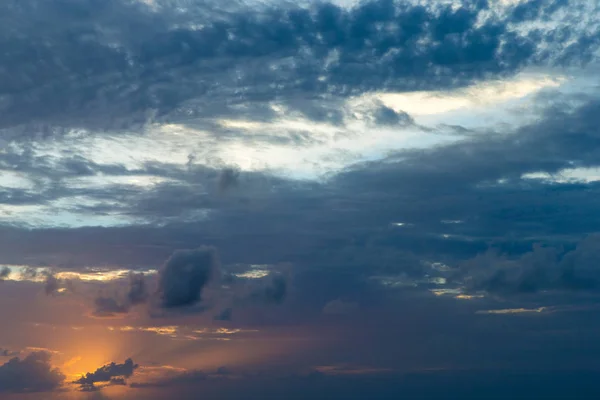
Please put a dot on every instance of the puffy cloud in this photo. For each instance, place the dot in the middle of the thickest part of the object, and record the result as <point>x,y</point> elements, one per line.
<point>111,374</point>
<point>185,274</point>
<point>33,373</point>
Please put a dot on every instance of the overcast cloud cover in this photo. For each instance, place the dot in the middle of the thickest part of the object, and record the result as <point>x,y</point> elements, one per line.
<point>310,199</point>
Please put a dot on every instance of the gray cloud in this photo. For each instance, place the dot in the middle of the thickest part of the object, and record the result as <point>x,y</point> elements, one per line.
<point>108,307</point>
<point>229,178</point>
<point>110,374</point>
<point>33,373</point>
<point>185,378</point>
<point>542,269</point>
<point>4,273</point>
<point>119,65</point>
<point>185,274</point>
<point>51,283</point>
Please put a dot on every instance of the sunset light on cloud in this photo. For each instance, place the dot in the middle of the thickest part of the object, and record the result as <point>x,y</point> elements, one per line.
<point>333,199</point>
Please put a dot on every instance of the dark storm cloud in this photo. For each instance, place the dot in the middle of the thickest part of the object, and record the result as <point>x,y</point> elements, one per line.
<point>108,374</point>
<point>118,64</point>
<point>33,373</point>
<point>185,274</point>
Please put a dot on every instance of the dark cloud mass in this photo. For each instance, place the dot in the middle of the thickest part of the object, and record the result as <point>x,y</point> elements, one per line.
<point>185,274</point>
<point>108,307</point>
<point>118,64</point>
<point>108,374</point>
<point>34,373</point>
<point>4,273</point>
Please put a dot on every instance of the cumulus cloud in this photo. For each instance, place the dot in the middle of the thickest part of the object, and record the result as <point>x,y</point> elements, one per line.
<point>185,274</point>
<point>33,373</point>
<point>110,374</point>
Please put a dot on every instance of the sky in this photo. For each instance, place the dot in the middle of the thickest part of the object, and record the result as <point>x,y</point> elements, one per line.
<point>272,199</point>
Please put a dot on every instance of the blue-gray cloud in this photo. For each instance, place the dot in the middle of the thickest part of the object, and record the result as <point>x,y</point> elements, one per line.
<point>119,64</point>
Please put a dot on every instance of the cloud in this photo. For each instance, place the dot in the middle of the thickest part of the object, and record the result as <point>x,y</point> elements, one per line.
<point>51,283</point>
<point>185,274</point>
<point>111,374</point>
<point>274,292</point>
<point>120,65</point>
<point>384,115</point>
<point>177,380</point>
<point>108,307</point>
<point>4,273</point>
<point>224,315</point>
<point>229,178</point>
<point>543,268</point>
<point>8,353</point>
<point>33,373</point>
<point>137,293</point>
